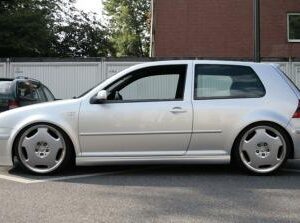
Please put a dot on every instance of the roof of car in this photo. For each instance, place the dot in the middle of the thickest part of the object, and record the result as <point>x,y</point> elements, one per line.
<point>20,78</point>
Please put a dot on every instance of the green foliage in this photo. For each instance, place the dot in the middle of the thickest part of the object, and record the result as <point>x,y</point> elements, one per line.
<point>44,28</point>
<point>24,27</point>
<point>41,28</point>
<point>129,25</point>
<point>81,35</point>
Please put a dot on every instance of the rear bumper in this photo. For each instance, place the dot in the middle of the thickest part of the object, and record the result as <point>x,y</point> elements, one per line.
<point>5,153</point>
<point>294,131</point>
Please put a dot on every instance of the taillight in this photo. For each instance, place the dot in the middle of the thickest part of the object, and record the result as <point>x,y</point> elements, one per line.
<point>297,112</point>
<point>13,104</point>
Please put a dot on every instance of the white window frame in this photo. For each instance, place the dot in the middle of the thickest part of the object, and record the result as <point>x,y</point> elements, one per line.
<point>288,28</point>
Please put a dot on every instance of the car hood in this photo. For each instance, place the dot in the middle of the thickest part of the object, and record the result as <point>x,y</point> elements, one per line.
<point>11,118</point>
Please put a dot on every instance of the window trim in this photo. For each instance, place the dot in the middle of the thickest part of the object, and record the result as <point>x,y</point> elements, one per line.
<point>195,98</point>
<point>148,100</point>
<point>288,28</point>
<point>138,101</point>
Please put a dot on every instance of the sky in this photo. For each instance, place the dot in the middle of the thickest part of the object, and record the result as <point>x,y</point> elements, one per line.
<point>90,5</point>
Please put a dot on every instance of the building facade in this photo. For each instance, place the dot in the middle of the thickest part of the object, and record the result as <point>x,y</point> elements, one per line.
<point>224,29</point>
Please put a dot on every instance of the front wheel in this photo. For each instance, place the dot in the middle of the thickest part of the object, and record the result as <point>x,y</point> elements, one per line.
<point>43,149</point>
<point>262,149</point>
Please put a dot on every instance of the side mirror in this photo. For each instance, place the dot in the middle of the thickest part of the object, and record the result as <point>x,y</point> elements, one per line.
<point>102,95</point>
<point>99,98</point>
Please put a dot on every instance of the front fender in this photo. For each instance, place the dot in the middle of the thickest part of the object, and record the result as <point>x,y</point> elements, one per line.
<point>68,124</point>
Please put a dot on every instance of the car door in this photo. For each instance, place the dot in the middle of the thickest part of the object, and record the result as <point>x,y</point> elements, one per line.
<point>148,112</point>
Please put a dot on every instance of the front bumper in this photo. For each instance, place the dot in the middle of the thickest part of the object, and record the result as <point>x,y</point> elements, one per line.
<point>5,152</point>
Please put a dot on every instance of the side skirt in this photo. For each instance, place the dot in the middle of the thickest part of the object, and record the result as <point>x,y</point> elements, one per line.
<point>91,161</point>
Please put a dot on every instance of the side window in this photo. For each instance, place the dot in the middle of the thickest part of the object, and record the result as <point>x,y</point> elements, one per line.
<point>150,84</point>
<point>49,95</point>
<point>227,81</point>
<point>30,91</point>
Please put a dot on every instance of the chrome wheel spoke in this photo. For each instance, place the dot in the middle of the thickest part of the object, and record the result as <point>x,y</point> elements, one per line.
<point>31,158</point>
<point>272,161</point>
<point>249,148</point>
<point>29,144</point>
<point>54,145</point>
<point>256,163</point>
<point>50,162</point>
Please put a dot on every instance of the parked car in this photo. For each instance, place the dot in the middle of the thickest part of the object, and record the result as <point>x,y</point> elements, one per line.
<point>22,91</point>
<point>187,112</point>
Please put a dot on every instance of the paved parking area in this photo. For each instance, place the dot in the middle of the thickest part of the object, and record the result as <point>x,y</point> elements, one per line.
<point>193,193</point>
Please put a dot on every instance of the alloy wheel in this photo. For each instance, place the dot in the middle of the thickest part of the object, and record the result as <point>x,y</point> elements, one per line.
<point>262,149</point>
<point>42,149</point>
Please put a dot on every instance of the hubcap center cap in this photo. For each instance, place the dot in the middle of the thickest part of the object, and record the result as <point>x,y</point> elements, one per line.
<point>262,150</point>
<point>42,150</point>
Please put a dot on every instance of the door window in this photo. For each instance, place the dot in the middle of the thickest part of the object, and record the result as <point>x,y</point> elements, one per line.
<point>227,81</point>
<point>150,84</point>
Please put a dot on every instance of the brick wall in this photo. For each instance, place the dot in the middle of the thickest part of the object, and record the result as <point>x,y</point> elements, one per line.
<point>221,28</point>
<point>274,40</point>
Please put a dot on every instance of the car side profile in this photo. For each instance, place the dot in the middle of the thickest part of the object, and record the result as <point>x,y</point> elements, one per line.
<point>22,91</point>
<point>187,112</point>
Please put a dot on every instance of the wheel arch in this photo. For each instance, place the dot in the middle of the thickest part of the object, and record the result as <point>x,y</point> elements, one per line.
<point>65,132</point>
<point>235,142</point>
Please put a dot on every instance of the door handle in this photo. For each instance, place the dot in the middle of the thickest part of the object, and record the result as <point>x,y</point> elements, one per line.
<point>177,110</point>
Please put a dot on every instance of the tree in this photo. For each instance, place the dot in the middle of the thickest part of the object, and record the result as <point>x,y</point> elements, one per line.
<point>129,25</point>
<point>25,27</point>
<point>43,28</point>
<point>82,35</point>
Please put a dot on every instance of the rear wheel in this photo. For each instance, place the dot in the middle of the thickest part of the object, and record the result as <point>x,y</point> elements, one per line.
<point>262,149</point>
<point>43,149</point>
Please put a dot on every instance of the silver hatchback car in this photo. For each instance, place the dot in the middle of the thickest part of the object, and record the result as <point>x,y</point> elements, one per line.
<point>188,112</point>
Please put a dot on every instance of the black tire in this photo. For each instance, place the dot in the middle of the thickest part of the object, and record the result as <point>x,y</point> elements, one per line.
<point>237,159</point>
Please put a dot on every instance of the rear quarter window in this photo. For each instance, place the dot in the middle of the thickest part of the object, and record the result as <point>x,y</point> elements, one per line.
<point>226,81</point>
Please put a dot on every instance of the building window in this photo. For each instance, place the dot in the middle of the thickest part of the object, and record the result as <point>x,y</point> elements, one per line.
<point>293,27</point>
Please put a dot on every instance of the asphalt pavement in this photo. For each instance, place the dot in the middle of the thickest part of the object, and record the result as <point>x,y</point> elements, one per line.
<point>192,193</point>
